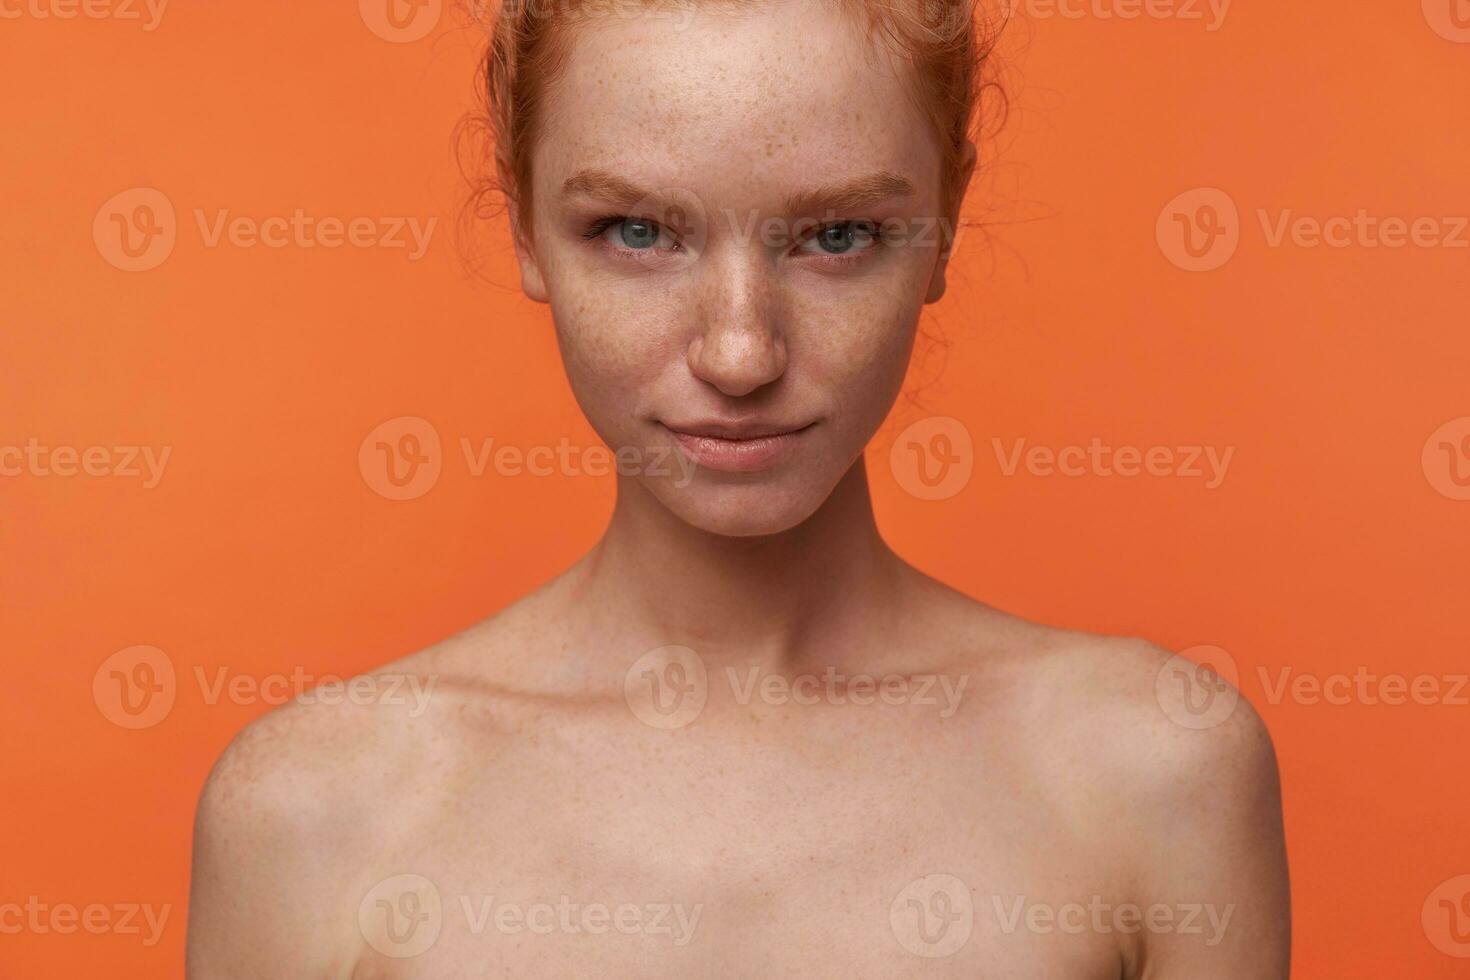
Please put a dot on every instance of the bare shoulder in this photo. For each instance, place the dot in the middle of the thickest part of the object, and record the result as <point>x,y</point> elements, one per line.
<point>328,760</point>
<point>320,757</point>
<point>1158,769</point>
<point>309,801</point>
<point>1126,719</point>
<point>1162,727</point>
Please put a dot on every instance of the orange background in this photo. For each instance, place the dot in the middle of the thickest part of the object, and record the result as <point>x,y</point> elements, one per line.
<point>264,550</point>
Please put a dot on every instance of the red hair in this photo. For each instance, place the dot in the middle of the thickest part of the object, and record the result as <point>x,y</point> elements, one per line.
<point>947,43</point>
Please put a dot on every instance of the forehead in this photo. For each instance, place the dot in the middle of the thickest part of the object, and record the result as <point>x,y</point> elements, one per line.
<point>728,100</point>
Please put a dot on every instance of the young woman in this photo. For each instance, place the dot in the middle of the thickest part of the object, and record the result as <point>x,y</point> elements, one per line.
<point>741,737</point>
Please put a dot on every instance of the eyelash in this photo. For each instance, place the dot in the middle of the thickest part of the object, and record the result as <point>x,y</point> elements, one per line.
<point>599,227</point>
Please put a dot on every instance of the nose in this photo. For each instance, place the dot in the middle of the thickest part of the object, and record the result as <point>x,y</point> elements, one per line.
<point>739,345</point>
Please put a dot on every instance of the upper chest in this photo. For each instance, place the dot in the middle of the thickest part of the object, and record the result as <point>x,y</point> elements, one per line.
<point>633,854</point>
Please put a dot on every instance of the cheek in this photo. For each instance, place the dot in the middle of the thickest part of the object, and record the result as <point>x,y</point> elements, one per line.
<point>616,341</point>
<point>856,342</point>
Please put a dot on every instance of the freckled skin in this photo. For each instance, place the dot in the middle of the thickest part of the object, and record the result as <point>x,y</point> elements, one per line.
<point>795,831</point>
<point>742,328</point>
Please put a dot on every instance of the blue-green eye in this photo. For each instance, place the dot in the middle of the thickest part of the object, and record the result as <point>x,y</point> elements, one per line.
<point>841,239</point>
<point>632,234</point>
<point>637,233</point>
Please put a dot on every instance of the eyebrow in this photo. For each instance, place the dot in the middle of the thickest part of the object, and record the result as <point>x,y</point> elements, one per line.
<point>849,195</point>
<point>609,187</point>
<point>860,192</point>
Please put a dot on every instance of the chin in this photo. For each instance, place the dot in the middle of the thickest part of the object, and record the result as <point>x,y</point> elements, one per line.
<point>747,510</point>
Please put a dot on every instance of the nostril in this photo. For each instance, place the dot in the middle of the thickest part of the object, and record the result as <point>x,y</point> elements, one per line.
<point>737,361</point>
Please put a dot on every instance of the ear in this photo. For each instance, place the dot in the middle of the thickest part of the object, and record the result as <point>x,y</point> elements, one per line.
<point>937,283</point>
<point>531,279</point>
<point>533,284</point>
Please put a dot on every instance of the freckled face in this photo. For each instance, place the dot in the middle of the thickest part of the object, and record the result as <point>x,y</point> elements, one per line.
<point>735,223</point>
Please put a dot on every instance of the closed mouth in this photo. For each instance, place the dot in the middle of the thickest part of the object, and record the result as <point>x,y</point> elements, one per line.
<point>735,431</point>
<point>737,447</point>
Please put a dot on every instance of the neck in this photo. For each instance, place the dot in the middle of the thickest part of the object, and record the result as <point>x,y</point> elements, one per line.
<point>815,593</point>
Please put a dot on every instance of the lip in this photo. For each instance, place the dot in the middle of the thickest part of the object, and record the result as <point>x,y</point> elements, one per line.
<point>737,447</point>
